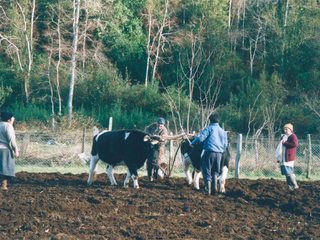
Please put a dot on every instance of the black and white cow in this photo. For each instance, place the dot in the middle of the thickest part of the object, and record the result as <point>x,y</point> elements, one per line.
<point>192,156</point>
<point>130,148</point>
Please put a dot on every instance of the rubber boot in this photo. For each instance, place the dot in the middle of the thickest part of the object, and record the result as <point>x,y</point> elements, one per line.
<point>293,181</point>
<point>4,184</point>
<point>208,187</point>
<point>214,184</point>
<point>150,178</point>
<point>289,184</point>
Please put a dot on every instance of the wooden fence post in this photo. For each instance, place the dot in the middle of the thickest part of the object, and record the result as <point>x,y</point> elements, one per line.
<point>310,156</point>
<point>110,124</point>
<point>256,149</point>
<point>170,155</point>
<point>239,149</point>
<point>83,139</point>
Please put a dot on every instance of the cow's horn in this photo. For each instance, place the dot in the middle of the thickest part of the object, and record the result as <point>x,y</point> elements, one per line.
<point>146,138</point>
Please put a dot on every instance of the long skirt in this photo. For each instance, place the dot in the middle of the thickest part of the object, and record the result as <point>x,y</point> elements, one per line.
<point>7,166</point>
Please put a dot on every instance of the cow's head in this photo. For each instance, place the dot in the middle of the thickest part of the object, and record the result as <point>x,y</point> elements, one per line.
<point>185,146</point>
<point>153,147</point>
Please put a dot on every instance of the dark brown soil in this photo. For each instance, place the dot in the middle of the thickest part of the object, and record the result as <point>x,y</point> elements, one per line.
<point>38,206</point>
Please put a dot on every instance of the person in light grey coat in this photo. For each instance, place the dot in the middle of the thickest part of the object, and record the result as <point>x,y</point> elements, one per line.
<point>8,148</point>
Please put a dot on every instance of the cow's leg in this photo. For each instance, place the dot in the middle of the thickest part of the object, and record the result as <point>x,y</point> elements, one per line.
<point>223,178</point>
<point>134,174</point>
<point>186,164</point>
<point>160,173</point>
<point>126,182</point>
<point>93,169</point>
<point>196,178</point>
<point>109,171</point>
<point>135,181</point>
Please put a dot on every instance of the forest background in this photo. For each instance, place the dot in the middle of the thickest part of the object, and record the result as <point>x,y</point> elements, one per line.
<point>83,61</point>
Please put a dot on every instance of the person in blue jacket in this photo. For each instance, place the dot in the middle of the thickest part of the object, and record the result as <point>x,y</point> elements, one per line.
<point>215,142</point>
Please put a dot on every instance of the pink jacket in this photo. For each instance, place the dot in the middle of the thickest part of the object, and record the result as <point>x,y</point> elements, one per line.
<point>291,147</point>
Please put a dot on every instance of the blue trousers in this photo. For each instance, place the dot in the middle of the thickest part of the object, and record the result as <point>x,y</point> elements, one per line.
<point>210,165</point>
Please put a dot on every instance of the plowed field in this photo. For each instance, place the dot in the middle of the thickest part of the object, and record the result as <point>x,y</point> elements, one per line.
<point>40,205</point>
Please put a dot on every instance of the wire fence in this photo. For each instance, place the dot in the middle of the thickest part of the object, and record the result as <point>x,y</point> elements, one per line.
<point>59,152</point>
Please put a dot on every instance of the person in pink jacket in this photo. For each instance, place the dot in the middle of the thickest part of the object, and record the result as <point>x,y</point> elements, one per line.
<point>289,147</point>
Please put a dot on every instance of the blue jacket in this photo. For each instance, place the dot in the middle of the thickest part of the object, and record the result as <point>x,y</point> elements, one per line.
<point>214,137</point>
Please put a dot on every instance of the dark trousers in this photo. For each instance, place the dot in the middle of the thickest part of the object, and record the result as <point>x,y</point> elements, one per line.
<point>150,162</point>
<point>210,165</point>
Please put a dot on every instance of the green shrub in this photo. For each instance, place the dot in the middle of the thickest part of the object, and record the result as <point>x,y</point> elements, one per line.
<point>30,113</point>
<point>125,119</point>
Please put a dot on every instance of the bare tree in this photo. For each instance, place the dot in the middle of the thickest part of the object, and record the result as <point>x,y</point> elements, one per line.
<point>91,8</point>
<point>229,19</point>
<point>58,63</point>
<point>13,47</point>
<point>209,94</point>
<point>254,36</point>
<point>253,112</point>
<point>312,102</point>
<point>284,35</point>
<point>76,9</point>
<point>148,44</point>
<point>253,50</point>
<point>55,31</point>
<point>243,21</point>
<point>50,86</point>
<point>159,37</point>
<point>192,71</point>
<point>273,96</point>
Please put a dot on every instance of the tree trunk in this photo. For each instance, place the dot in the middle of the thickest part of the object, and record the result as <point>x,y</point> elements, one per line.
<point>243,20</point>
<point>284,36</point>
<point>229,23</point>
<point>76,9</point>
<point>84,41</point>
<point>184,12</point>
<point>160,40</point>
<point>50,86</point>
<point>29,48</point>
<point>58,63</point>
<point>238,20</point>
<point>148,46</point>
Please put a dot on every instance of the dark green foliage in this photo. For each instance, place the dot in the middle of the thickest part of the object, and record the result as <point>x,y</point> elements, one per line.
<point>125,119</point>
<point>4,92</point>
<point>29,114</point>
<point>126,40</point>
